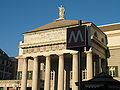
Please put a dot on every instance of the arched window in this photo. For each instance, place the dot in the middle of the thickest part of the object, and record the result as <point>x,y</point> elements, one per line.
<point>102,40</point>
<point>96,35</point>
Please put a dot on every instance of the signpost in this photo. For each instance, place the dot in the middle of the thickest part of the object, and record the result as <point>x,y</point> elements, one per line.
<point>76,37</point>
<point>77,40</point>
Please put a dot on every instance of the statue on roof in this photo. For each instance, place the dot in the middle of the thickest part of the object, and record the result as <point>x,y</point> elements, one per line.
<point>61,12</point>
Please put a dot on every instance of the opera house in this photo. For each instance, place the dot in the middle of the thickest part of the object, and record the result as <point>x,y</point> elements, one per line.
<point>44,62</point>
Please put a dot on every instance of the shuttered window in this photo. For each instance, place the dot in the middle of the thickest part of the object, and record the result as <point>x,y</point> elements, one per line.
<point>113,71</point>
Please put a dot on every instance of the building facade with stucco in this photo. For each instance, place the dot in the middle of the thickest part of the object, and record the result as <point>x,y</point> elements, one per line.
<point>113,33</point>
<point>8,66</point>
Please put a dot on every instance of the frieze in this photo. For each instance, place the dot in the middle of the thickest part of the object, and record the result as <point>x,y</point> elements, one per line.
<point>44,48</point>
<point>46,36</point>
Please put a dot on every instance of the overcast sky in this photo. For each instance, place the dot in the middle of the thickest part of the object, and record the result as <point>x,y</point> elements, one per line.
<point>19,16</point>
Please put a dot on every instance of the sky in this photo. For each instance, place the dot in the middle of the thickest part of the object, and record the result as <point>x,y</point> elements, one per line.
<point>19,16</point>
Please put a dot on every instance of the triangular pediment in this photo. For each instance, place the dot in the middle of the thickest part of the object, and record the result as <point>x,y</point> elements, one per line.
<point>57,24</point>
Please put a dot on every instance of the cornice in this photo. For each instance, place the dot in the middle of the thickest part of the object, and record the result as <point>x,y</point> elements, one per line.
<point>109,24</point>
<point>55,52</point>
<point>114,47</point>
<point>24,45</point>
<point>44,31</point>
<point>113,35</point>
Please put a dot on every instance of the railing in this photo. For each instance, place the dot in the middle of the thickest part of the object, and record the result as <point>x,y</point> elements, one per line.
<point>10,83</point>
<point>13,83</point>
<point>84,74</point>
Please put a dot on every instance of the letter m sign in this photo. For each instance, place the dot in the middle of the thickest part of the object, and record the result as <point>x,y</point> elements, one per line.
<point>76,37</point>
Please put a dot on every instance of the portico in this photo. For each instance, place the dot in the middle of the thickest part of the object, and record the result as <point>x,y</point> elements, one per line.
<point>61,81</point>
<point>60,72</point>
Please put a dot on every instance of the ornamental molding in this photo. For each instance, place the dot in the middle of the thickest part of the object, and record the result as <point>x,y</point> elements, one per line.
<point>114,47</point>
<point>24,45</point>
<point>113,35</point>
<point>44,48</point>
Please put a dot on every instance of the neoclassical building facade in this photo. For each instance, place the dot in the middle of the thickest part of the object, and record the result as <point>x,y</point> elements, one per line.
<point>51,53</point>
<point>44,62</point>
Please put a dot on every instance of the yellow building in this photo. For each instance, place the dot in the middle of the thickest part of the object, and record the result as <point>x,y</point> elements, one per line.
<point>113,33</point>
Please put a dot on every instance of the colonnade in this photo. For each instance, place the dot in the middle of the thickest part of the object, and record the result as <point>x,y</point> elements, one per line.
<point>35,80</point>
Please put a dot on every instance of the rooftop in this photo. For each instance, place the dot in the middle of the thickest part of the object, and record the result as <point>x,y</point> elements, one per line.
<point>57,24</point>
<point>110,27</point>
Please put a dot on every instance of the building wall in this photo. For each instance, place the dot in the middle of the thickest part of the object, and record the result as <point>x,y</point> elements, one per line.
<point>113,35</point>
<point>114,60</point>
<point>8,66</point>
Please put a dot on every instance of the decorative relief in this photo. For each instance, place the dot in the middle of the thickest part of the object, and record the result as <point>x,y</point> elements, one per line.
<point>44,48</point>
<point>48,48</point>
<point>46,36</point>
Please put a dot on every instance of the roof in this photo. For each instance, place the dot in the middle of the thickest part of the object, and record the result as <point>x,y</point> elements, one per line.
<point>110,27</point>
<point>57,24</point>
<point>3,54</point>
<point>103,77</point>
<point>101,80</point>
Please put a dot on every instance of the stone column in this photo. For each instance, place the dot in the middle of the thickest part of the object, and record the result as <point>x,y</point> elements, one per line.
<point>75,71</point>
<point>61,73</point>
<point>89,65</point>
<point>35,74</point>
<point>47,74</point>
<point>24,74</point>
<point>4,88</point>
<point>94,68</point>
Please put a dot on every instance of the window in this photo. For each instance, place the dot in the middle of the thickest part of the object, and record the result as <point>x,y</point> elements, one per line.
<point>113,71</point>
<point>19,75</point>
<point>1,88</point>
<point>6,69</point>
<point>2,61</point>
<point>2,68</point>
<point>96,35</point>
<point>84,74</point>
<point>1,75</point>
<point>102,40</point>
<point>29,75</point>
<point>52,76</point>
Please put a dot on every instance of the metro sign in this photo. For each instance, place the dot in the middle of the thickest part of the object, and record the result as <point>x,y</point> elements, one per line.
<point>76,37</point>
